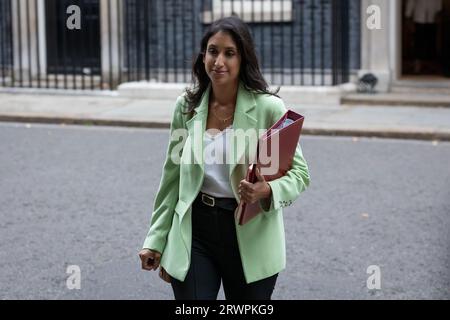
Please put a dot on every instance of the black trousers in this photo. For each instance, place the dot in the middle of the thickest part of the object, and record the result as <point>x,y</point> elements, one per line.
<point>215,258</point>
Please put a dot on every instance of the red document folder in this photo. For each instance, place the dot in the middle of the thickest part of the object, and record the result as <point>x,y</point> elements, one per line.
<point>285,133</point>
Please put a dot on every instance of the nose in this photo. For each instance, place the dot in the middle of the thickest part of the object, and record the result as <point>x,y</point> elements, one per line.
<point>219,61</point>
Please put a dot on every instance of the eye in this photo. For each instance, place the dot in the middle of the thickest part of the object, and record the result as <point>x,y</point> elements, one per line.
<point>212,50</point>
<point>230,53</point>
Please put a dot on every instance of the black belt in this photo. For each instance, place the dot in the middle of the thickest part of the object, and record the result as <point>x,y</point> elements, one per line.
<point>224,203</point>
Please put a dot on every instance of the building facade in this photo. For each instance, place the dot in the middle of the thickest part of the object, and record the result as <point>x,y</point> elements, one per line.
<point>391,51</point>
<point>100,44</point>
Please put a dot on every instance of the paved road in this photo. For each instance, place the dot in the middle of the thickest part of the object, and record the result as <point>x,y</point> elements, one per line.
<point>82,196</point>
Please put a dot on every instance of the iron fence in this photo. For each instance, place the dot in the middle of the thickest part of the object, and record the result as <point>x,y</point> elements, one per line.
<point>99,44</point>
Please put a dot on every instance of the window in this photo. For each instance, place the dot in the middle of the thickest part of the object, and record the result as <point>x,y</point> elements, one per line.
<point>250,10</point>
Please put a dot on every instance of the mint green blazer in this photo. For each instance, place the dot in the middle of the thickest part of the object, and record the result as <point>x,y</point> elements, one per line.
<point>262,240</point>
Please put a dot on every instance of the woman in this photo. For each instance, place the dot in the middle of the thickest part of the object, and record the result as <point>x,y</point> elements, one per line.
<point>193,236</point>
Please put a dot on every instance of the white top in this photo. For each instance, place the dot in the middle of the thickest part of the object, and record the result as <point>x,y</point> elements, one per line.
<point>216,148</point>
<point>423,11</point>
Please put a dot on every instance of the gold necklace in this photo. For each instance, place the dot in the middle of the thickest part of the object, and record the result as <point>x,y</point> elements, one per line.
<point>223,120</point>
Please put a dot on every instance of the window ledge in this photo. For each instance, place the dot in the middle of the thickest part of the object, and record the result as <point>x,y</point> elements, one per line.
<point>256,11</point>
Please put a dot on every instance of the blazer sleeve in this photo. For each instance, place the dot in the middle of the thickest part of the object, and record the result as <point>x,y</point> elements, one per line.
<point>167,194</point>
<point>286,189</point>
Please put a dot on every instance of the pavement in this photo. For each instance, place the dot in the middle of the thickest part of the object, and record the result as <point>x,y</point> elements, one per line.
<point>428,122</point>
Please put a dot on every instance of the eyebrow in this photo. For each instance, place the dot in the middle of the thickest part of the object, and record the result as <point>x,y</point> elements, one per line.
<point>213,45</point>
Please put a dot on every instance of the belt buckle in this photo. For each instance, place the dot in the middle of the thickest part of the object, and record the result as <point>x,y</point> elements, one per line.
<point>212,200</point>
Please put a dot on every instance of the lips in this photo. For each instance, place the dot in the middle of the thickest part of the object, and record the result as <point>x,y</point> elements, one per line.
<point>219,72</point>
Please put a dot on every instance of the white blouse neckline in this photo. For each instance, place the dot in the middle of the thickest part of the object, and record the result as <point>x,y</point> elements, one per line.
<point>217,135</point>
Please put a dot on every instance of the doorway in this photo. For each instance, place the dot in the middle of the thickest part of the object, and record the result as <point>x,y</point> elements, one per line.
<point>426,38</point>
<point>75,51</point>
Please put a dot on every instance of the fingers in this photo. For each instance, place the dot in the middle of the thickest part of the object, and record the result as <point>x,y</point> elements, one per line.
<point>146,265</point>
<point>259,175</point>
<point>164,275</point>
<point>245,183</point>
<point>145,255</point>
<point>245,186</point>
<point>247,197</point>
<point>246,191</point>
<point>244,194</point>
<point>250,193</point>
<point>149,259</point>
<point>156,260</point>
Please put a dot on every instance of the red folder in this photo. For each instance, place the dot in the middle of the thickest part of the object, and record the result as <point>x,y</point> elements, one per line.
<point>285,133</point>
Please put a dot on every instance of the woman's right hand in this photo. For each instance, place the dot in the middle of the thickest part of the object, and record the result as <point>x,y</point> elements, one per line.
<point>150,259</point>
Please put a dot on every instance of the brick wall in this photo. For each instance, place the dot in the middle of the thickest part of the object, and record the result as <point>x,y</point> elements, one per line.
<point>176,30</point>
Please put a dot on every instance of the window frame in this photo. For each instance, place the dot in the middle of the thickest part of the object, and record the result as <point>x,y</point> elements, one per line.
<point>261,9</point>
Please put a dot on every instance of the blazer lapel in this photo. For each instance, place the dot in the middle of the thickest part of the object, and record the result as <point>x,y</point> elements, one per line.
<point>244,119</point>
<point>197,126</point>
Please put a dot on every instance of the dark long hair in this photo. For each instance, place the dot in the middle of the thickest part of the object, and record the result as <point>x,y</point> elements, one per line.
<point>249,74</point>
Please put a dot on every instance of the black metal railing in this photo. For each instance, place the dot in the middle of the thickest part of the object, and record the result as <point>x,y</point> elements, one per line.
<point>85,44</point>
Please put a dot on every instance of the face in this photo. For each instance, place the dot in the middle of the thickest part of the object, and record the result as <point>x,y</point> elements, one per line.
<point>222,59</point>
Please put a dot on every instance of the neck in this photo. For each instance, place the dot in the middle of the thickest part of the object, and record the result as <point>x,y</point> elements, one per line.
<point>224,94</point>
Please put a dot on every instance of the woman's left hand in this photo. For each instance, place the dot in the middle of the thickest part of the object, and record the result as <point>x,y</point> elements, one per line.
<point>252,192</point>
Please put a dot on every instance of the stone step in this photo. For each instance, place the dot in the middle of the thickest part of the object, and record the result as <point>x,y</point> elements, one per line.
<point>443,89</point>
<point>417,99</point>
